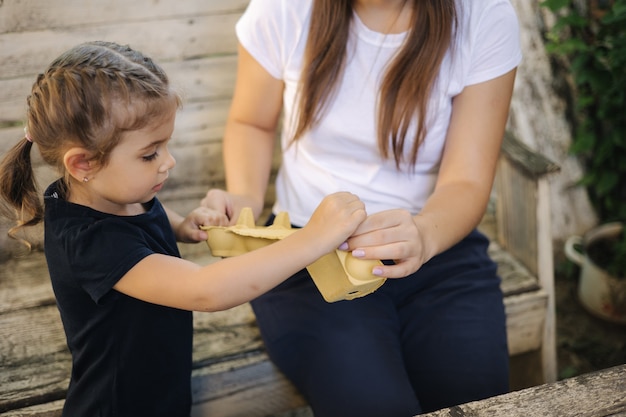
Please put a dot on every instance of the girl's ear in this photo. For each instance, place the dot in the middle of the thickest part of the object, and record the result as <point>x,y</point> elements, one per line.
<point>78,165</point>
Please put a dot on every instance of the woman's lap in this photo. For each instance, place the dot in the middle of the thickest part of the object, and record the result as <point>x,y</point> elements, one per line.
<point>438,336</point>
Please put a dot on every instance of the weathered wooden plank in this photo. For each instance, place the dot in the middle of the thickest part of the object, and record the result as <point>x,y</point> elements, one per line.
<point>24,15</point>
<point>524,228</point>
<point>199,79</point>
<point>525,303</point>
<point>45,380</point>
<point>31,333</point>
<point>525,315</point>
<point>516,279</point>
<point>545,275</point>
<point>597,394</point>
<point>253,388</point>
<point>49,409</point>
<point>23,53</point>
<point>197,123</point>
<point>230,333</point>
<point>200,121</point>
<point>516,208</point>
<point>248,387</point>
<point>204,78</point>
<point>24,283</point>
<point>525,159</point>
<point>202,166</point>
<point>13,93</point>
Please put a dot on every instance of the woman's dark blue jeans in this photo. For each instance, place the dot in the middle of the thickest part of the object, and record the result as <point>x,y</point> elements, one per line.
<point>434,339</point>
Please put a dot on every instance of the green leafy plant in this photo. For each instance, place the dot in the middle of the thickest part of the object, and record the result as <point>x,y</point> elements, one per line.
<point>593,44</point>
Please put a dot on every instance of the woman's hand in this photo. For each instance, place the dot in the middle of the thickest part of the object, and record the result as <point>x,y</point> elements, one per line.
<point>188,229</point>
<point>391,235</point>
<point>220,201</point>
<point>230,204</point>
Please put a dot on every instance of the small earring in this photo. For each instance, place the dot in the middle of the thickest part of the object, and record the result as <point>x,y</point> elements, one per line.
<point>85,179</point>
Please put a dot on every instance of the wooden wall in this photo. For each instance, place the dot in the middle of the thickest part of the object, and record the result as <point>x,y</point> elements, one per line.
<point>194,40</point>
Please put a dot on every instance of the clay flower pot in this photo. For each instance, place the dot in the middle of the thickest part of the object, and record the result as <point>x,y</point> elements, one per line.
<point>600,293</point>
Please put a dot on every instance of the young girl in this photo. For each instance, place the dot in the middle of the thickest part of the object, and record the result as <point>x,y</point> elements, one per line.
<point>403,103</point>
<point>103,114</point>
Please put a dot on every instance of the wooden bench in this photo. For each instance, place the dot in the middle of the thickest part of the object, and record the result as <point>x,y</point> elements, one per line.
<point>232,374</point>
<point>596,394</point>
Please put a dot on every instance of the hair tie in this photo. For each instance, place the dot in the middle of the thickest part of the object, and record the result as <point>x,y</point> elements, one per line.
<point>27,135</point>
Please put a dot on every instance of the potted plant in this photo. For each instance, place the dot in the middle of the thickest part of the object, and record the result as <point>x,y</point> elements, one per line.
<point>602,283</point>
<point>590,40</point>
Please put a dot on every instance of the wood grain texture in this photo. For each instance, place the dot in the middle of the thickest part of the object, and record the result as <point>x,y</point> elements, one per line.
<point>597,394</point>
<point>28,15</point>
<point>523,221</point>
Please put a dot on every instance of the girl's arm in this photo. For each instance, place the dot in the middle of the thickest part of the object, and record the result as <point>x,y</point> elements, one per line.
<point>174,282</point>
<point>248,139</point>
<point>477,124</point>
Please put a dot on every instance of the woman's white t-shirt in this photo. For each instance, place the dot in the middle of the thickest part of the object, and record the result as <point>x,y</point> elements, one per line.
<point>341,152</point>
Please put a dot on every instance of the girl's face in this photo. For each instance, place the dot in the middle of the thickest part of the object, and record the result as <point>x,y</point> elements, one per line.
<point>137,169</point>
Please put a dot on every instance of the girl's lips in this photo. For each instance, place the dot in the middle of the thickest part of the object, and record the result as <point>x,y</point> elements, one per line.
<point>158,187</point>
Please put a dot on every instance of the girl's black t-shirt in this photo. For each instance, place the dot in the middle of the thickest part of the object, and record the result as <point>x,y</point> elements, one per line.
<point>130,358</point>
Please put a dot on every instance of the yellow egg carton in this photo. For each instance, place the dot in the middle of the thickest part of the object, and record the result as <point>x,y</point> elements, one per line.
<point>337,275</point>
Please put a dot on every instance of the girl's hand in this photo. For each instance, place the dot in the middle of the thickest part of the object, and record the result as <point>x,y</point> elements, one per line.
<point>335,219</point>
<point>391,234</point>
<point>188,230</point>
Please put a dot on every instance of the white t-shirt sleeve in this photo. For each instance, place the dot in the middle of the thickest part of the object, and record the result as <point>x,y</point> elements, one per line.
<point>259,32</point>
<point>495,41</point>
<point>271,30</point>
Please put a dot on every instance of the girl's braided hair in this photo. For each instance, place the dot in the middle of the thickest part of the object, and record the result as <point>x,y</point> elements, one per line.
<point>87,97</point>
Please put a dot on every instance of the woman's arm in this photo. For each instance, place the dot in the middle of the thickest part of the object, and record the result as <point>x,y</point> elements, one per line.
<point>457,204</point>
<point>248,139</point>
<point>175,282</point>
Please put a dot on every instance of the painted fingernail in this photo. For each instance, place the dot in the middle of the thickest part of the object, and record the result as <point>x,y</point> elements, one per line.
<point>343,246</point>
<point>358,253</point>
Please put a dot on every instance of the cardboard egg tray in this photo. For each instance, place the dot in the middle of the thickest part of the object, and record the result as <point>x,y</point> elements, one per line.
<point>337,275</point>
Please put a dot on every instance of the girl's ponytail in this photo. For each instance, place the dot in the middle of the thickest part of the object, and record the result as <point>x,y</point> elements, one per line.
<point>18,188</point>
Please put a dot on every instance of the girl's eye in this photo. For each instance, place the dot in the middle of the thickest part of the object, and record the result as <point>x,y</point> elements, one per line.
<point>150,157</point>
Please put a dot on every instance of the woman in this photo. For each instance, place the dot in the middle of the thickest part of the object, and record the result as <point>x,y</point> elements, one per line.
<point>403,103</point>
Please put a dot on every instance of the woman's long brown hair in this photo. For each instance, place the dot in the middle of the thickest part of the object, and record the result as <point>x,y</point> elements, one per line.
<point>407,85</point>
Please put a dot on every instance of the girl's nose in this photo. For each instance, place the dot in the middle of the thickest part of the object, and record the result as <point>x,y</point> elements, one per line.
<point>169,161</point>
